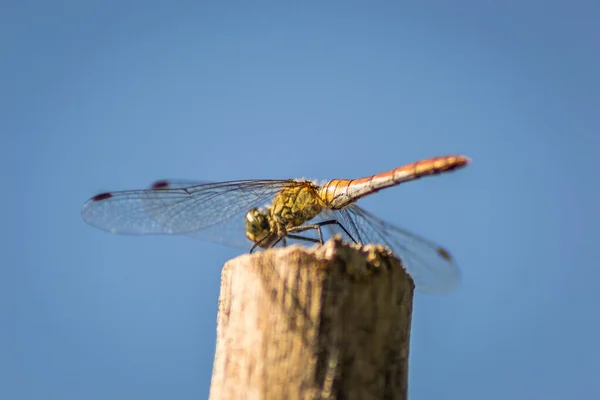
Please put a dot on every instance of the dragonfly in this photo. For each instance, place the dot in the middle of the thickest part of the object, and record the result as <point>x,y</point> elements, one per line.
<point>269,213</point>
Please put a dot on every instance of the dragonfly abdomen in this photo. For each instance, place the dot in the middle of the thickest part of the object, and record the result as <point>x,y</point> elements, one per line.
<point>338,193</point>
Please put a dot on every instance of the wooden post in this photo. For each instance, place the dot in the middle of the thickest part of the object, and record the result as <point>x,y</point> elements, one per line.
<point>332,322</point>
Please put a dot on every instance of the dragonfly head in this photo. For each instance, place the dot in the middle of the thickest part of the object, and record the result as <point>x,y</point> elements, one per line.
<point>258,226</point>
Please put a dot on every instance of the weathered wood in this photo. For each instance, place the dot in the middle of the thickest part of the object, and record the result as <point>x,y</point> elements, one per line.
<point>332,322</point>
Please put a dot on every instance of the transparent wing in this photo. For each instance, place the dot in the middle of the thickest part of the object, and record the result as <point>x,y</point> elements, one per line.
<point>214,211</point>
<point>431,267</point>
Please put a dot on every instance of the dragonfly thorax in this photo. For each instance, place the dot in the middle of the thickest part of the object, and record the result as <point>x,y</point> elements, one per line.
<point>291,208</point>
<point>294,206</point>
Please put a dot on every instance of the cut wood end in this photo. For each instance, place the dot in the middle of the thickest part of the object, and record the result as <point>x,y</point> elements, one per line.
<point>372,258</point>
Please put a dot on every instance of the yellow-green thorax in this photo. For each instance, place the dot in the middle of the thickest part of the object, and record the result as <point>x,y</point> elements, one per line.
<point>296,205</point>
<point>291,207</point>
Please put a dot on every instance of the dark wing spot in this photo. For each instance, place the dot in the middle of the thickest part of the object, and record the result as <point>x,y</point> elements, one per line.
<point>160,185</point>
<point>102,196</point>
<point>444,254</point>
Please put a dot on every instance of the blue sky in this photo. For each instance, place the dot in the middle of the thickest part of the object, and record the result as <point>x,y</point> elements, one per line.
<point>114,95</point>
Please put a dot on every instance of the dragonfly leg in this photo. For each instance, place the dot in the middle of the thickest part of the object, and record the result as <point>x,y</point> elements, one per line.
<point>254,246</point>
<point>303,228</point>
<point>318,226</point>
<point>279,239</point>
<point>336,222</point>
<point>307,239</point>
<point>264,242</point>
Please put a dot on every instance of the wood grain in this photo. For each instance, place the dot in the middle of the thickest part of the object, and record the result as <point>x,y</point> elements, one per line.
<point>332,322</point>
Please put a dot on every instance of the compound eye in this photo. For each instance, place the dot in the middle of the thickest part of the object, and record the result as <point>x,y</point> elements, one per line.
<point>257,224</point>
<point>251,215</point>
